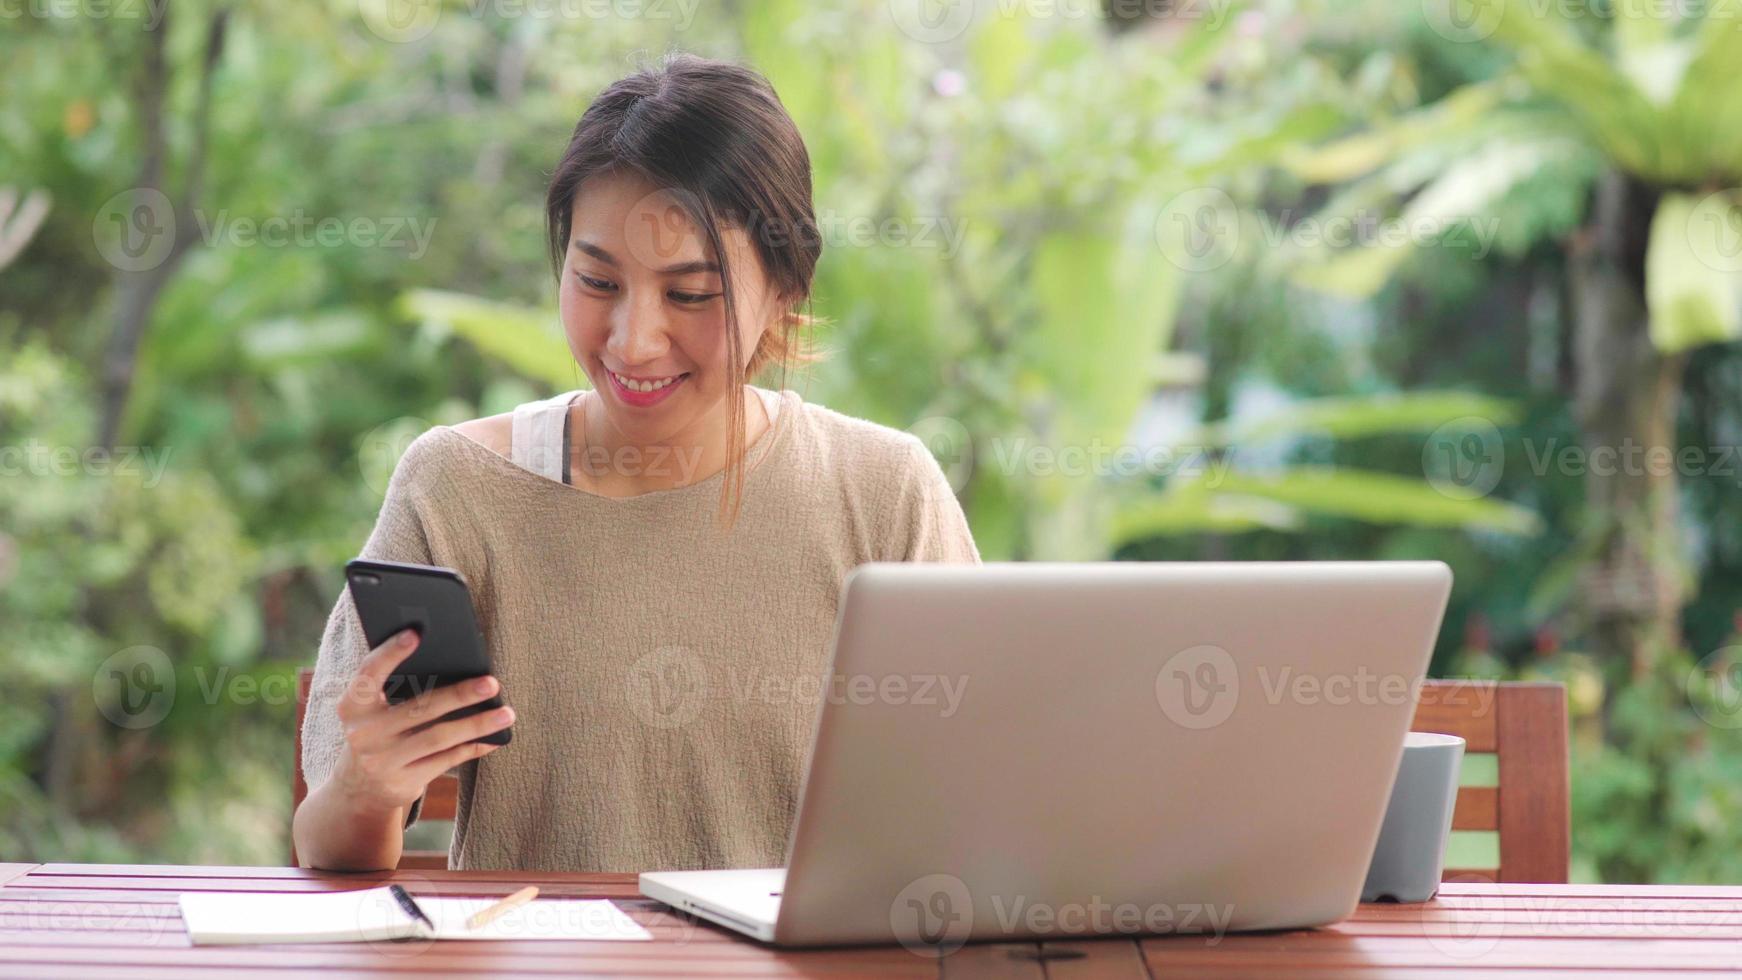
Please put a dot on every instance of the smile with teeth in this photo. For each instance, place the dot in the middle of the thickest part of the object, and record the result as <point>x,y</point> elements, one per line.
<point>649,385</point>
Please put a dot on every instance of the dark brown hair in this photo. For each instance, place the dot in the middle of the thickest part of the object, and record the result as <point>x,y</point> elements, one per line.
<point>715,137</point>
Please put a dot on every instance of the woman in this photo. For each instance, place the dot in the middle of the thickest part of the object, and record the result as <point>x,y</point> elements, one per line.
<point>656,562</point>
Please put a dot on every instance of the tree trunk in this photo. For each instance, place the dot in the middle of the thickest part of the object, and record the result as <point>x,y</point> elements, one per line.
<point>1626,398</point>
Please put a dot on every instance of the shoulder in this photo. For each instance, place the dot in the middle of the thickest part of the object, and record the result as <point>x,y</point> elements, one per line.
<point>892,481</point>
<point>859,445</point>
<point>493,432</point>
<point>865,464</point>
<point>445,456</point>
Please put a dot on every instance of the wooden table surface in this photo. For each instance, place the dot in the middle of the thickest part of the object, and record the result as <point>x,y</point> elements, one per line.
<point>90,921</point>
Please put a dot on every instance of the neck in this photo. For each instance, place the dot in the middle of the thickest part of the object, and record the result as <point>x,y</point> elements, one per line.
<point>607,462</point>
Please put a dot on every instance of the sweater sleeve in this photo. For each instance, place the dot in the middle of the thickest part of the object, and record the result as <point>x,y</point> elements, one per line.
<point>398,536</point>
<point>933,527</point>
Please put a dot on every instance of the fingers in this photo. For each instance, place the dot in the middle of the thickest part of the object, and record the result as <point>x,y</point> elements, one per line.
<point>363,695</point>
<point>430,767</point>
<point>434,704</point>
<point>386,658</point>
<point>445,735</point>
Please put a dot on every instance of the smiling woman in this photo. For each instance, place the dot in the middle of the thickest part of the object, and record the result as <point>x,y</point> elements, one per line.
<point>646,557</point>
<point>684,237</point>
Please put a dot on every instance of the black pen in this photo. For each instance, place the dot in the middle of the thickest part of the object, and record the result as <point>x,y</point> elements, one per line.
<point>406,902</point>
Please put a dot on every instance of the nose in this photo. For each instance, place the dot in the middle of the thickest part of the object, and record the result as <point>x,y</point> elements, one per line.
<point>638,331</point>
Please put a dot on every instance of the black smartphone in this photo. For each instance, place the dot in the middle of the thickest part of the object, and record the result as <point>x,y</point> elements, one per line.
<point>391,596</point>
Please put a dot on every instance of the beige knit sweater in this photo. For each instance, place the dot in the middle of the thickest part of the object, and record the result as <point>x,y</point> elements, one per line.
<point>663,672</point>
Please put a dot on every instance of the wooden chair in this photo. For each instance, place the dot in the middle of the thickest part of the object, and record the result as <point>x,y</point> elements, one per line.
<point>1525,726</point>
<point>440,801</point>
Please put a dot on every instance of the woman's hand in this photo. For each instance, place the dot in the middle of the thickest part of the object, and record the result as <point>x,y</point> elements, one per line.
<point>393,751</point>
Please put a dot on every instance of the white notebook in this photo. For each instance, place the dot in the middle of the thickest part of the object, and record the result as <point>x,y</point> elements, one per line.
<point>372,915</point>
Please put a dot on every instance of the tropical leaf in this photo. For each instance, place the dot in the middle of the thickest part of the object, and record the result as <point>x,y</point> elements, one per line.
<point>1379,498</point>
<point>999,51</point>
<point>1465,192</point>
<point>305,339</point>
<point>1647,50</point>
<point>1361,417</point>
<point>1105,309</point>
<point>1693,298</point>
<point>525,339</point>
<point>1559,65</point>
<point>1706,114</point>
<point>1358,155</point>
<point>1190,508</point>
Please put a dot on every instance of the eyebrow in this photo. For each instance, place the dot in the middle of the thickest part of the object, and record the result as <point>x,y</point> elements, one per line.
<point>682,268</point>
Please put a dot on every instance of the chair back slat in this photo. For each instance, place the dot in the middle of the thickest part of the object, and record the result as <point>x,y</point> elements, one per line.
<point>1524,725</point>
<point>1535,827</point>
<point>1463,708</point>
<point>1478,808</point>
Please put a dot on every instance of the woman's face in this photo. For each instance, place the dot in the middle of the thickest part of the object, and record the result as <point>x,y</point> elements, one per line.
<point>642,307</point>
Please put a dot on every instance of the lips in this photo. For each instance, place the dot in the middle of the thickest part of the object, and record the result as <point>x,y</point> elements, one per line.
<point>644,391</point>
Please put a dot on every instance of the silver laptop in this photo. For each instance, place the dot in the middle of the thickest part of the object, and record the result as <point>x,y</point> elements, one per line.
<point>1036,750</point>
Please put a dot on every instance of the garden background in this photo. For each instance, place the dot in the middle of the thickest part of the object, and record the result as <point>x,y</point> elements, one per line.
<point>1154,279</point>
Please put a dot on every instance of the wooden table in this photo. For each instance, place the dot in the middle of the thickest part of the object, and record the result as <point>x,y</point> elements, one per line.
<point>89,921</point>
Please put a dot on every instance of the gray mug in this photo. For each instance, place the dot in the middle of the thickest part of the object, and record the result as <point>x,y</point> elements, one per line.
<point>1411,854</point>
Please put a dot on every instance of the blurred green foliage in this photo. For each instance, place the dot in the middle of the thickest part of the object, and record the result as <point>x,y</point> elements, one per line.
<point>1042,287</point>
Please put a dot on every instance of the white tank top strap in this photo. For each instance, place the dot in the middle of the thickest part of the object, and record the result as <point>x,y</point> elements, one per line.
<point>770,401</point>
<point>536,439</point>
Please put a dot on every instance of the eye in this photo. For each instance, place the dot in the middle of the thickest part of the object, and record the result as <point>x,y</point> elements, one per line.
<point>601,285</point>
<point>691,299</point>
